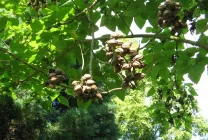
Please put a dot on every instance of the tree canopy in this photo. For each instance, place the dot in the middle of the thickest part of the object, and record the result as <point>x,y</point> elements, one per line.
<point>48,49</point>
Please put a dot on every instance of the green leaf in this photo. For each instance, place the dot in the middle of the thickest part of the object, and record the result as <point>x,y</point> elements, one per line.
<point>32,58</point>
<point>139,21</point>
<point>120,94</point>
<point>134,9</point>
<point>201,25</point>
<point>83,104</point>
<point>151,92</point>
<point>154,72</point>
<point>109,22</point>
<point>149,29</point>
<point>63,101</point>
<point>37,25</point>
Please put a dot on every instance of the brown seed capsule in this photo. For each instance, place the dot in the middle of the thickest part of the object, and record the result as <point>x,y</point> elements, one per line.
<point>94,88</point>
<point>126,45</point>
<point>118,68</point>
<point>51,86</point>
<point>112,43</point>
<point>109,54</point>
<point>51,75</point>
<point>126,66</point>
<point>136,64</point>
<point>159,14</point>
<point>58,71</point>
<point>125,84</point>
<point>138,57</point>
<point>61,78</point>
<point>90,82</point>
<point>78,89</point>
<point>119,51</point>
<point>108,49</point>
<point>166,13</point>
<point>86,89</point>
<point>160,21</point>
<point>119,42</point>
<point>74,83</point>
<point>121,59</point>
<point>86,77</point>
<point>99,96</point>
<point>139,76</point>
<point>53,80</point>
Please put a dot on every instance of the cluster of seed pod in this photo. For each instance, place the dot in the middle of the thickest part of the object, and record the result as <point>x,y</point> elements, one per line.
<point>37,4</point>
<point>56,77</point>
<point>86,88</point>
<point>167,16</point>
<point>125,58</point>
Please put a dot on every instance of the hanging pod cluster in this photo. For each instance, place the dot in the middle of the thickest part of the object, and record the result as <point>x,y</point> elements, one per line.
<point>56,77</point>
<point>124,57</point>
<point>37,4</point>
<point>86,88</point>
<point>167,16</point>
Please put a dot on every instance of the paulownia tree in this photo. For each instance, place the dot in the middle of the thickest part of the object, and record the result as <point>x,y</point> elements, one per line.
<point>43,43</point>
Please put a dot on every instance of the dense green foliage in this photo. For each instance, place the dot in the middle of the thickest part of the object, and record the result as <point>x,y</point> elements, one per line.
<point>37,36</point>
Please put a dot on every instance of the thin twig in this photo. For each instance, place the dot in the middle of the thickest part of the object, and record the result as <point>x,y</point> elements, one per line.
<point>92,41</point>
<point>15,57</point>
<point>83,62</point>
<point>115,89</point>
<point>163,37</point>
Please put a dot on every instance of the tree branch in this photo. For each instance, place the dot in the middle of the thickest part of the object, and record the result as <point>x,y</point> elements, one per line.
<point>15,57</point>
<point>80,46</point>
<point>163,37</point>
<point>92,41</point>
<point>115,89</point>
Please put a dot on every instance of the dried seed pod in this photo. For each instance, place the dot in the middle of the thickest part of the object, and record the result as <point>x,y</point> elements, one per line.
<point>94,88</point>
<point>160,21</point>
<point>138,57</point>
<point>90,82</point>
<point>118,67</point>
<point>125,84</point>
<point>136,64</point>
<point>53,80</point>
<point>99,96</point>
<point>86,77</point>
<point>58,71</point>
<point>51,75</point>
<point>126,45</point>
<point>86,89</point>
<point>60,78</point>
<point>109,54</point>
<point>51,86</point>
<point>78,89</point>
<point>112,43</point>
<point>121,59</point>
<point>119,51</point>
<point>139,76</point>
<point>126,66</point>
<point>108,49</point>
<point>167,13</point>
<point>74,83</point>
<point>119,42</point>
